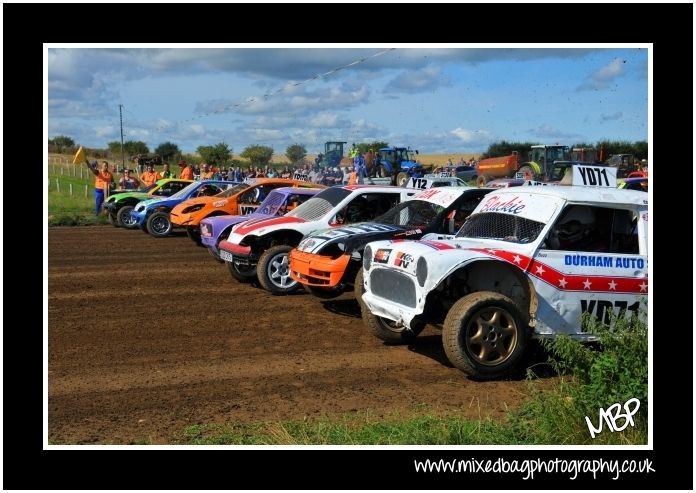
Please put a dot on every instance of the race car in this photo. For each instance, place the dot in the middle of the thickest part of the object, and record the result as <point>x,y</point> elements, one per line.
<point>528,262</point>
<point>240,200</point>
<point>327,261</point>
<point>279,202</point>
<point>152,215</point>
<point>434,181</point>
<point>259,249</point>
<point>119,205</point>
<point>636,183</point>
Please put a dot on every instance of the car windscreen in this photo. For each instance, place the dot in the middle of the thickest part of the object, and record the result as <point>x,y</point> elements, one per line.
<point>500,226</point>
<point>319,205</point>
<point>272,203</point>
<point>411,214</point>
<point>184,191</point>
<point>235,190</point>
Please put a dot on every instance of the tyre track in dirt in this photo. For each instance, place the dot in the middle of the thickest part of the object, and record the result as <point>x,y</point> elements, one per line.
<point>147,336</point>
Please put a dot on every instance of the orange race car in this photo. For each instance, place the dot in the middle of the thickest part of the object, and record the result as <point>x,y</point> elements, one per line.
<point>241,199</point>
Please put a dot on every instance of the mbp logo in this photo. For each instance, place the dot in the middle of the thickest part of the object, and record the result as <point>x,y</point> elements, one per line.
<point>612,415</point>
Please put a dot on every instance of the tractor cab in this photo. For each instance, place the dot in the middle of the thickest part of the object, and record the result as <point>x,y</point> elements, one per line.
<point>623,164</point>
<point>541,159</point>
<point>333,153</point>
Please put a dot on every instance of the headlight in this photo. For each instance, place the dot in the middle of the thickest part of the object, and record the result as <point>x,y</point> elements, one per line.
<point>193,208</point>
<point>367,258</point>
<point>421,271</point>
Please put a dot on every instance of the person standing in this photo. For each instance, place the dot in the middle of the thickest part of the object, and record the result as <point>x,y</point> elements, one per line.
<point>166,172</point>
<point>186,171</point>
<point>128,182</point>
<point>104,179</point>
<point>206,172</point>
<point>360,168</point>
<point>149,176</point>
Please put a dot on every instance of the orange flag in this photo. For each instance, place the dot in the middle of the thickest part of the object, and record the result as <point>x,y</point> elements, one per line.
<point>79,156</point>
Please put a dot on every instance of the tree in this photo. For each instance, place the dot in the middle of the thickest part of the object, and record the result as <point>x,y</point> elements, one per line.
<point>133,147</point>
<point>114,148</point>
<point>168,151</point>
<point>62,141</point>
<point>504,148</point>
<point>216,155</point>
<point>258,155</point>
<point>372,146</point>
<point>296,153</point>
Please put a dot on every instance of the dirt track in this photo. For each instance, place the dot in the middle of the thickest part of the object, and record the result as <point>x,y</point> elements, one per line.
<point>148,336</point>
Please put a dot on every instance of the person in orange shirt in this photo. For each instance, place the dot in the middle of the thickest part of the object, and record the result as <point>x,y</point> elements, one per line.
<point>186,171</point>
<point>150,176</point>
<point>206,172</point>
<point>104,179</point>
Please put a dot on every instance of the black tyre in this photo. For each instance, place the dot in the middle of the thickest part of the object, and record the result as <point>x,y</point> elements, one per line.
<point>159,225</point>
<point>359,288</point>
<point>112,219</point>
<point>401,178</point>
<point>485,334</point>
<point>528,172</point>
<point>387,330</point>
<point>124,217</point>
<point>273,271</point>
<point>242,273</point>
<point>194,234</point>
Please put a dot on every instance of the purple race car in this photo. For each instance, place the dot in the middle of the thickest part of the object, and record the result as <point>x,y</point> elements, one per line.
<point>279,201</point>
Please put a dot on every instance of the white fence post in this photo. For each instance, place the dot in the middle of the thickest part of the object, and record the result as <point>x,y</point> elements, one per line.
<point>57,185</point>
<point>70,186</point>
<point>61,171</point>
<point>85,191</point>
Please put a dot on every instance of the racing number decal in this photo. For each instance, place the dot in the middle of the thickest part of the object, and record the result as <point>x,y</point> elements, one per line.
<point>246,209</point>
<point>419,183</point>
<point>602,309</point>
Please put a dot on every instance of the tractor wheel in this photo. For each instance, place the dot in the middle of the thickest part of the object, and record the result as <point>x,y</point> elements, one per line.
<point>482,180</point>
<point>527,171</point>
<point>401,179</point>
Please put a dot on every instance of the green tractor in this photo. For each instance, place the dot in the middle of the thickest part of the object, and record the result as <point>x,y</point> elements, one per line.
<point>333,154</point>
<point>539,166</point>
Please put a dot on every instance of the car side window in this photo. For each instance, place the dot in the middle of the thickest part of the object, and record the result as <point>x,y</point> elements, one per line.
<point>593,229</point>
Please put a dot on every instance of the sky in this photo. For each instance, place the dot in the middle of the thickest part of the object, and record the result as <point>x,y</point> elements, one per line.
<point>436,99</point>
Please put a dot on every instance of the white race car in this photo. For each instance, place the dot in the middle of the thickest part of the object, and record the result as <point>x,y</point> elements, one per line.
<point>259,249</point>
<point>529,261</point>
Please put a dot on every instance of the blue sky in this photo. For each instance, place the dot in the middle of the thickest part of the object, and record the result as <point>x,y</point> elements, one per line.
<point>435,99</point>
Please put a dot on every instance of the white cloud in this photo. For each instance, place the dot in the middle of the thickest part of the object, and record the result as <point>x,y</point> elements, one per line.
<point>414,81</point>
<point>473,137</point>
<point>603,77</point>
<point>550,132</point>
<point>106,131</point>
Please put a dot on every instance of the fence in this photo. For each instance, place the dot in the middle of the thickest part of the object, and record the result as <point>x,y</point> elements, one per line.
<point>72,191</point>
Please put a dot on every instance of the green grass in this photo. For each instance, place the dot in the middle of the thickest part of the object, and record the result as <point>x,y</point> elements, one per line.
<point>67,210</point>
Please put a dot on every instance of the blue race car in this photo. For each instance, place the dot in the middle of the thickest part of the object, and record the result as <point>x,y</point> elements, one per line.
<point>152,215</point>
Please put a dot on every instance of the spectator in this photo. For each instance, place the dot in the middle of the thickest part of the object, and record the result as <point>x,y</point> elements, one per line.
<point>360,168</point>
<point>186,171</point>
<point>166,172</point>
<point>206,172</point>
<point>318,159</point>
<point>128,182</point>
<point>449,162</point>
<point>150,176</point>
<point>104,180</point>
